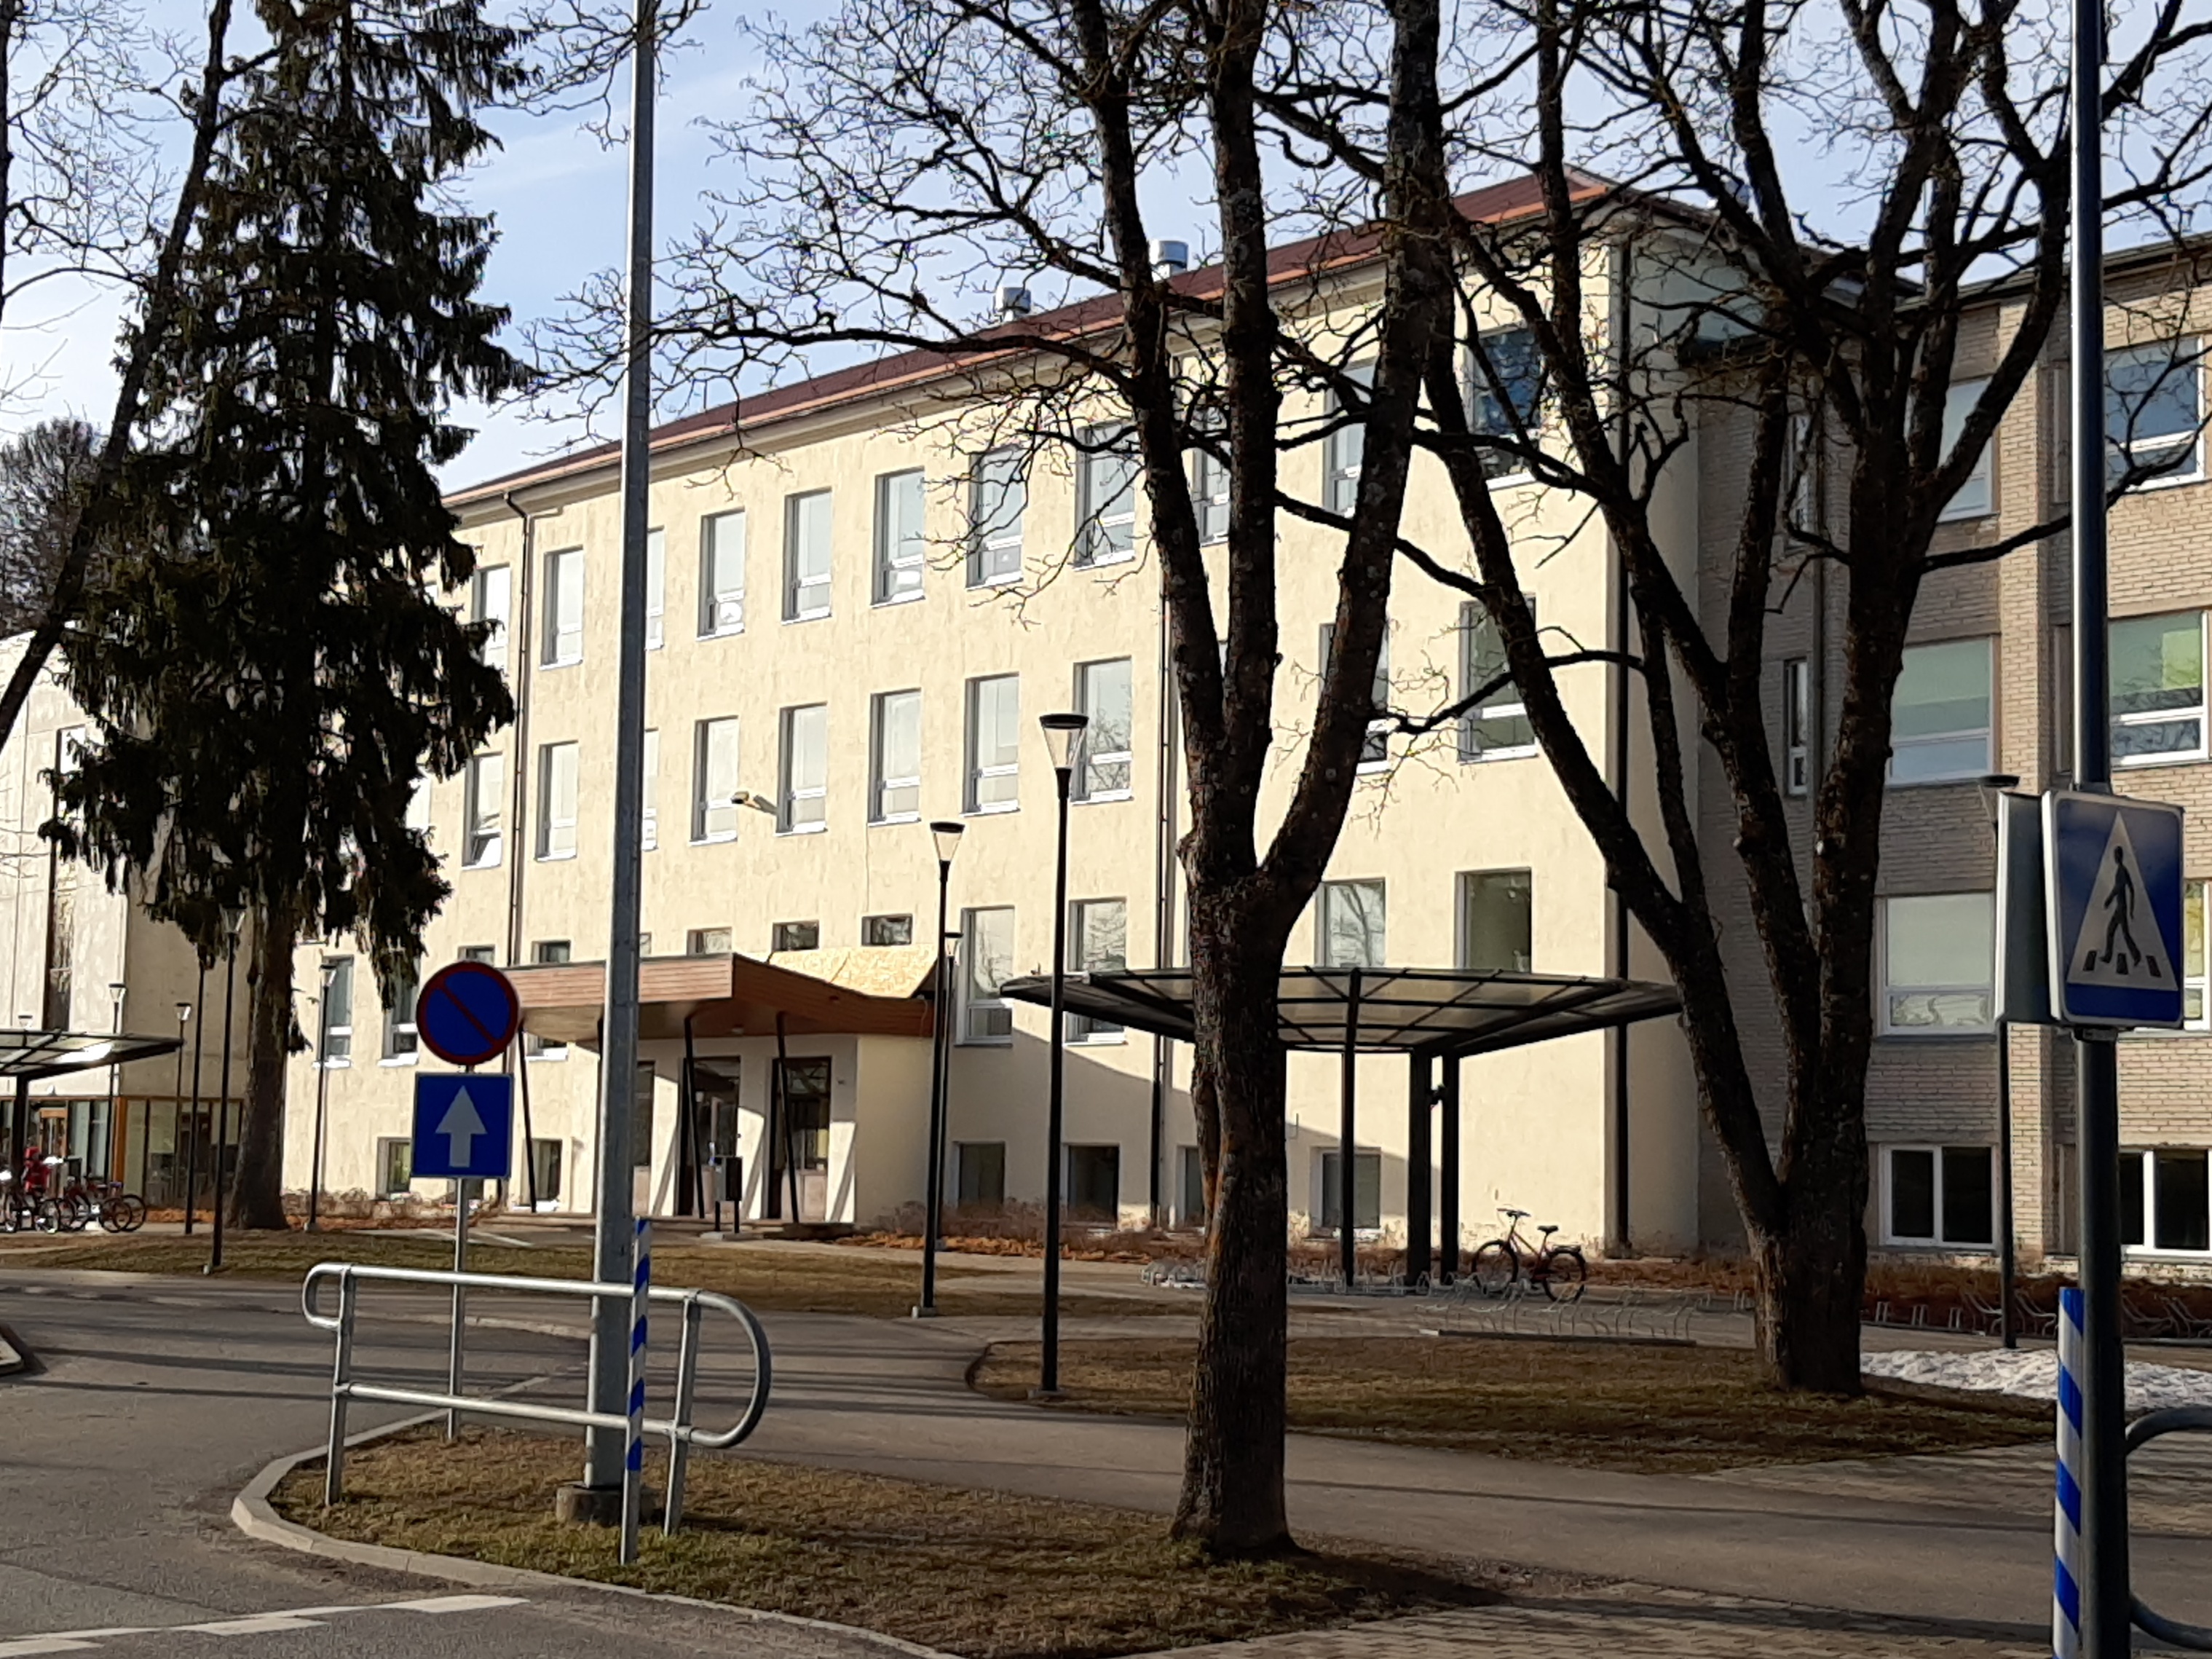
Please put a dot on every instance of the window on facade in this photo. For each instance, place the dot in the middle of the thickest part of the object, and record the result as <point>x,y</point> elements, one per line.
<point>1974,498</point>
<point>1939,1195</point>
<point>713,780</point>
<point>706,942</point>
<point>545,1171</point>
<point>1366,1191</point>
<point>1098,942</point>
<point>492,595</point>
<point>795,936</point>
<point>994,743</point>
<point>1940,714</point>
<point>656,589</point>
<point>1350,925</point>
<point>649,812</point>
<point>2153,409</point>
<point>557,801</point>
<point>1375,747</point>
<point>2166,1199</point>
<point>1938,958</point>
<point>399,1036</point>
<point>482,786</point>
<point>902,537</point>
<point>895,757</point>
<point>803,784</point>
<point>1103,756</point>
<point>1496,727</point>
<point>981,1172</point>
<point>721,574</point>
<point>1505,396</point>
<point>1497,920</point>
<point>987,962</point>
<point>2158,688</point>
<point>419,807</point>
<point>1094,1183</point>
<point>562,641</point>
<point>1108,483</point>
<point>1346,448</point>
<point>807,528</point>
<point>395,1167</point>
<point>337,1010</point>
<point>477,953</point>
<point>2196,1008</point>
<point>547,952</point>
<point>1209,491</point>
<point>1001,497</point>
<point>1796,725</point>
<point>1190,1187</point>
<point>886,930</point>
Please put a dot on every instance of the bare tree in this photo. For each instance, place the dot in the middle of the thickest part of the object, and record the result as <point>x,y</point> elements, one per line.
<point>1701,302</point>
<point>44,475</point>
<point>901,161</point>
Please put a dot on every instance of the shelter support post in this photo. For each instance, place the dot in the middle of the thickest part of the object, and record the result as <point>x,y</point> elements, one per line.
<point>1447,1194</point>
<point>1420,1093</point>
<point>19,1131</point>
<point>1347,1156</point>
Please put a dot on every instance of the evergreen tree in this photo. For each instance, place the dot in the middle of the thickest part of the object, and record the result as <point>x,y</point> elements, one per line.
<point>271,679</point>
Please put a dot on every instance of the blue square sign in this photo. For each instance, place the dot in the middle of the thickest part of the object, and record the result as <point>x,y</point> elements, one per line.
<point>464,1125</point>
<point>2114,869</point>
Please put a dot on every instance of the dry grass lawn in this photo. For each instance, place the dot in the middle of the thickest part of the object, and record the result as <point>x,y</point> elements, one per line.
<point>1649,1410</point>
<point>805,1281</point>
<point>983,1574</point>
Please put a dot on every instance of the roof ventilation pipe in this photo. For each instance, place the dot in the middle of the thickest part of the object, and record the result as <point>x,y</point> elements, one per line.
<point>1014,302</point>
<point>1170,258</point>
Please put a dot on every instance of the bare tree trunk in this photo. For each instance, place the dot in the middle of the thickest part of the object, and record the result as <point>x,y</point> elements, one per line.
<point>257,1193</point>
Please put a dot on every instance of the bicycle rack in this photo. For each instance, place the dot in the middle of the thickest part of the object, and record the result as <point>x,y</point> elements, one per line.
<point>2142,1431</point>
<point>682,1434</point>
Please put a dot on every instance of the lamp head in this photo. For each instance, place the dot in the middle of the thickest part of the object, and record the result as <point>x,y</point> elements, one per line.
<point>330,972</point>
<point>1992,787</point>
<point>1061,731</point>
<point>234,919</point>
<point>947,833</point>
<point>184,1013</point>
<point>758,803</point>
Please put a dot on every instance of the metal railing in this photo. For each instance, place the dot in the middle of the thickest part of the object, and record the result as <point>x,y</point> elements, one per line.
<point>677,1427</point>
<point>2142,1432</point>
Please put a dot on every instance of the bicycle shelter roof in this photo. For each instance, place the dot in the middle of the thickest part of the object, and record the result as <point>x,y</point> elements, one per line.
<point>33,1056</point>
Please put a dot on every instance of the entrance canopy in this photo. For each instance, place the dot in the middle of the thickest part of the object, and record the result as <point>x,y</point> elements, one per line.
<point>868,990</point>
<point>33,1056</point>
<point>1416,1011</point>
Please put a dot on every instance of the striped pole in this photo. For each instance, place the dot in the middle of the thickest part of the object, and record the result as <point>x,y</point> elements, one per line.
<point>2066,1575</point>
<point>634,1454</point>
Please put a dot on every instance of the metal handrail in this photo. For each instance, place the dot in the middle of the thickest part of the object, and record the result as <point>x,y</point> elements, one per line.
<point>2144,1429</point>
<point>681,1433</point>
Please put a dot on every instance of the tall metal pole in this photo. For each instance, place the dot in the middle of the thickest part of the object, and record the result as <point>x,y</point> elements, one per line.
<point>2105,1595</point>
<point>222,1107</point>
<point>192,1136</point>
<point>322,1096</point>
<point>1347,1106</point>
<point>612,1244</point>
<point>1049,1372</point>
<point>933,1200</point>
<point>176,1103</point>
<point>2007,1320</point>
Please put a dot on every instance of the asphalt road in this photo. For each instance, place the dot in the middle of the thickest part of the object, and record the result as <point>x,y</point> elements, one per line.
<point>157,1399</point>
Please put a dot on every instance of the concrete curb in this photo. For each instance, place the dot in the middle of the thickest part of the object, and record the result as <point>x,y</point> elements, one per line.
<point>252,1513</point>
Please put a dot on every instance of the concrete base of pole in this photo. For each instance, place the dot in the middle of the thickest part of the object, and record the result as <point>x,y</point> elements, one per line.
<point>924,1312</point>
<point>1047,1394</point>
<point>581,1505</point>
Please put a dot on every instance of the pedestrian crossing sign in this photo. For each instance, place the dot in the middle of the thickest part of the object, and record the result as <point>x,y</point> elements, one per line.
<point>2114,869</point>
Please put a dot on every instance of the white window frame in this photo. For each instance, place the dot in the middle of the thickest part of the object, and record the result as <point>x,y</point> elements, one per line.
<point>649,794</point>
<point>402,1042</point>
<point>2199,711</point>
<point>869,925</point>
<point>1322,905</point>
<point>1796,725</point>
<point>1977,496</point>
<point>2148,1248</point>
<point>782,936</point>
<point>2182,354</point>
<point>802,809</point>
<point>1498,467</point>
<point>900,559</point>
<point>1472,618</point>
<point>977,772</point>
<point>482,849</point>
<point>881,782</point>
<point>798,581</point>
<point>709,802</point>
<point>334,1045</point>
<point>557,831</point>
<point>996,1009</point>
<point>994,548</point>
<point>1209,495</point>
<point>1886,991</point>
<point>385,1147</point>
<point>1981,766</point>
<point>562,642</point>
<point>1935,1241</point>
<point>491,600</point>
<point>709,941</point>
<point>1086,757</point>
<point>656,589</point>
<point>1464,891</point>
<point>1345,453</point>
<point>1106,531</point>
<point>1081,1028</point>
<point>1375,747</point>
<point>2197,963</point>
<point>721,601</point>
<point>548,953</point>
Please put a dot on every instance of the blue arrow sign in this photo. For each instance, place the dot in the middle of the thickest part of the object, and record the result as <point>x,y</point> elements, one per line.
<point>463,1126</point>
<point>2114,870</point>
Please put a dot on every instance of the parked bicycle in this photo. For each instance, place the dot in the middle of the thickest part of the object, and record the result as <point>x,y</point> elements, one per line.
<point>1558,1270</point>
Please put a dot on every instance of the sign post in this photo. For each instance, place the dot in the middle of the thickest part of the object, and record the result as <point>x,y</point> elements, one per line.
<point>464,1131</point>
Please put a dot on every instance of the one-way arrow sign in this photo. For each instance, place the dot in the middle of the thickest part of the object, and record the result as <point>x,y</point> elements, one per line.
<point>463,1126</point>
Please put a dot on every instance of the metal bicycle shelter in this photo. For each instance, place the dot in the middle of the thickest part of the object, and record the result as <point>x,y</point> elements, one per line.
<point>1434,1016</point>
<point>29,1056</point>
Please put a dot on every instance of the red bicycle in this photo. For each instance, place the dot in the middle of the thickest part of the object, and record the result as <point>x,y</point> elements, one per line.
<point>1558,1270</point>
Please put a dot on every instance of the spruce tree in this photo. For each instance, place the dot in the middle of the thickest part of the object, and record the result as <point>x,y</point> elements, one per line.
<point>271,678</point>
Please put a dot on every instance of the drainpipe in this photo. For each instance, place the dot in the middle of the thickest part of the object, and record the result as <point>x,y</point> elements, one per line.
<point>1164,910</point>
<point>520,639</point>
<point>1617,930</point>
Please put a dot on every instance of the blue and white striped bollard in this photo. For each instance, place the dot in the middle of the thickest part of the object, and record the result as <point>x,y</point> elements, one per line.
<point>2066,1572</point>
<point>633,1452</point>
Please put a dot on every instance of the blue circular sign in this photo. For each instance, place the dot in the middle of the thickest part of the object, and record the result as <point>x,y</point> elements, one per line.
<point>467,1013</point>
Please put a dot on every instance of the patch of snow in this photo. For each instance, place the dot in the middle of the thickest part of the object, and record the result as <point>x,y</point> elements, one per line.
<point>2034,1375</point>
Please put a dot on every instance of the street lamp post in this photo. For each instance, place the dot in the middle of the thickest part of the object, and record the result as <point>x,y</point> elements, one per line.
<point>947,833</point>
<point>234,918</point>
<point>1060,733</point>
<point>322,1090</point>
<point>176,1106</point>
<point>192,1136</point>
<point>1994,788</point>
<point>118,1127</point>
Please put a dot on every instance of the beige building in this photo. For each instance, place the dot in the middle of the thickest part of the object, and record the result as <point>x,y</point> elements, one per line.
<point>859,607</point>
